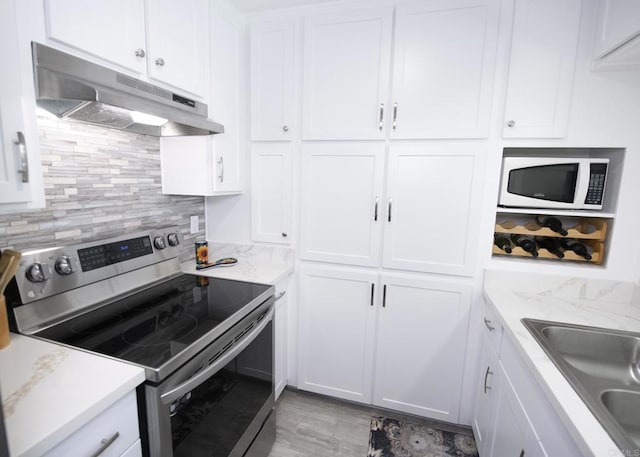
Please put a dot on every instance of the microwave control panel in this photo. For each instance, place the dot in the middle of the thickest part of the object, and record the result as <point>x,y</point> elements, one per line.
<point>595,191</point>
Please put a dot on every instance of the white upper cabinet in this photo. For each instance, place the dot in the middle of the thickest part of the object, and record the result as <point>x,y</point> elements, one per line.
<point>195,165</point>
<point>94,31</point>
<point>160,39</point>
<point>432,207</point>
<point>225,101</point>
<point>21,184</point>
<point>618,37</point>
<point>341,218</point>
<point>272,68</point>
<point>177,46</point>
<point>619,23</point>
<point>543,54</point>
<point>346,74</point>
<point>271,192</point>
<point>443,67</point>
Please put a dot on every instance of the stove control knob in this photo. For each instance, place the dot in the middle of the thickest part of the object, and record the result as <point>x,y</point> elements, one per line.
<point>63,265</point>
<point>38,272</point>
<point>159,243</point>
<point>173,239</point>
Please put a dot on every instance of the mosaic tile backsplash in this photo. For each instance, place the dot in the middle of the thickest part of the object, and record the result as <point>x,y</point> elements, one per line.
<point>99,183</point>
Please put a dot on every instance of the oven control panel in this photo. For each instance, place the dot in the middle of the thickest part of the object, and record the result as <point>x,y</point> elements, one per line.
<point>46,272</point>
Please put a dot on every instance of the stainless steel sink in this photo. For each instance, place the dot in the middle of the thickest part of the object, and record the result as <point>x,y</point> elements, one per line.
<point>603,367</point>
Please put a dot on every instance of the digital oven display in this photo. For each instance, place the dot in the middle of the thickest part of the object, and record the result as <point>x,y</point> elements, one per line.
<point>108,254</point>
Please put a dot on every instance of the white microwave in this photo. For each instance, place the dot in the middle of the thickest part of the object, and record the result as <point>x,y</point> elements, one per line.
<point>555,183</point>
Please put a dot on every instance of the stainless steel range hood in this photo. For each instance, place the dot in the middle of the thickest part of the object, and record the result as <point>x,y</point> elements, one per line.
<point>73,88</point>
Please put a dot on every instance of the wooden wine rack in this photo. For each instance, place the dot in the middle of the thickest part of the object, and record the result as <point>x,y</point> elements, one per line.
<point>589,231</point>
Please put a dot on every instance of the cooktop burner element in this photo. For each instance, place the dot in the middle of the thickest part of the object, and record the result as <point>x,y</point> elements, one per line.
<point>154,325</point>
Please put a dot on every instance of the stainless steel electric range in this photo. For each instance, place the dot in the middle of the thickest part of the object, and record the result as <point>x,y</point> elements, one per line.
<point>206,344</point>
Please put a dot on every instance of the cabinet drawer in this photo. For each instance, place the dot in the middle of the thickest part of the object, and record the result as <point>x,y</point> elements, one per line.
<point>492,328</point>
<point>119,420</point>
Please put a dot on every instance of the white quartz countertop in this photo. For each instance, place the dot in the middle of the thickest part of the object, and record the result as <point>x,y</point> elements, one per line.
<point>49,391</point>
<point>597,303</point>
<point>261,264</point>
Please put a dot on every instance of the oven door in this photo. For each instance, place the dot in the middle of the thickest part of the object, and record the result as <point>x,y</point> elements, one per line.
<point>222,402</point>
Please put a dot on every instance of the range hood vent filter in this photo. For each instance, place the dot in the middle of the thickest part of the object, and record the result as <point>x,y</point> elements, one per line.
<point>70,87</point>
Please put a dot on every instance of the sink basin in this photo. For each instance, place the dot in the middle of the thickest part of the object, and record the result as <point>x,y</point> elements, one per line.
<point>624,406</point>
<point>603,368</point>
<point>596,353</point>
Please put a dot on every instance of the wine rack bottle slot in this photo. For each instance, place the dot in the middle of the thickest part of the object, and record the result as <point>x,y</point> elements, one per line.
<point>551,238</point>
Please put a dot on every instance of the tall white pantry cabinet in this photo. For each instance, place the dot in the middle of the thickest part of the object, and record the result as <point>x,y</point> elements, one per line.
<point>380,210</point>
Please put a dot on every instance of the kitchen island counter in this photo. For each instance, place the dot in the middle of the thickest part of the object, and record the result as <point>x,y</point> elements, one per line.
<point>49,391</point>
<point>598,303</point>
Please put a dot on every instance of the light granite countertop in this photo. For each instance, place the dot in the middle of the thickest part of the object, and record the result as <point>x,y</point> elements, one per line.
<point>49,391</point>
<point>261,264</point>
<point>598,303</point>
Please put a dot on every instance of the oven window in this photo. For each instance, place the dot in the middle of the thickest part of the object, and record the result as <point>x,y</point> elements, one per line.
<point>213,418</point>
<point>547,182</point>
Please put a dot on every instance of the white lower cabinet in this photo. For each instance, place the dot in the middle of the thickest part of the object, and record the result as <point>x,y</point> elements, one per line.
<point>513,434</point>
<point>281,340</point>
<point>512,415</point>
<point>113,433</point>
<point>389,340</point>
<point>336,332</point>
<point>482,419</point>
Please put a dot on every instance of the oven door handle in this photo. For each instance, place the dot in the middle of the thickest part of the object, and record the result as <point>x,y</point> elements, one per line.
<point>191,383</point>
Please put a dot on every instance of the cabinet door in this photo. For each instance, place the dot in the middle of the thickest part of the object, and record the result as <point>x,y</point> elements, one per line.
<point>109,30</point>
<point>280,338</point>
<point>485,400</point>
<point>619,22</point>
<point>20,171</point>
<point>420,347</point>
<point>543,53</point>
<point>187,165</point>
<point>346,74</point>
<point>225,101</point>
<point>509,435</point>
<point>271,192</point>
<point>513,434</point>
<point>272,80</point>
<point>336,331</point>
<point>178,44</point>
<point>443,68</point>
<point>432,207</point>
<point>341,203</point>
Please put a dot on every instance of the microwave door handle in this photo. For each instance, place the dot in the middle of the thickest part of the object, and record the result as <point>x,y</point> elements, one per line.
<point>191,383</point>
<point>582,184</point>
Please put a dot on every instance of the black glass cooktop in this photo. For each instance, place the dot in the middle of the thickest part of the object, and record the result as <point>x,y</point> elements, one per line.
<point>153,326</point>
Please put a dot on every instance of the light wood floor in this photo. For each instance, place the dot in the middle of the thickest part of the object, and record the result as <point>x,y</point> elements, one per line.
<point>310,425</point>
